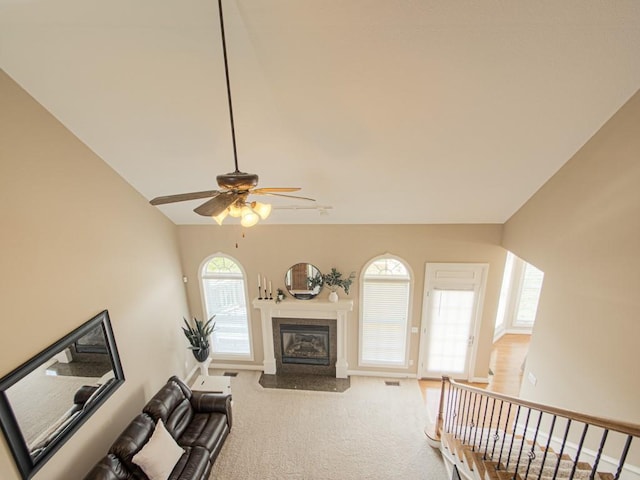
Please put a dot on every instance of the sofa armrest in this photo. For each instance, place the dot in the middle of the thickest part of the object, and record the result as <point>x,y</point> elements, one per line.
<point>108,468</point>
<point>207,402</point>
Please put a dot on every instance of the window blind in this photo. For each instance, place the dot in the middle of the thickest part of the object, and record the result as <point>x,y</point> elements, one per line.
<point>385,309</point>
<point>529,295</point>
<point>225,297</point>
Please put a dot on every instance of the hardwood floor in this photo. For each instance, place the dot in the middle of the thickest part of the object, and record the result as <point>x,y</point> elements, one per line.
<point>507,359</point>
<point>506,362</point>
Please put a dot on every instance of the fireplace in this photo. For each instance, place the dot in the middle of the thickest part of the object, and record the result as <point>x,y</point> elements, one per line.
<point>305,344</point>
<point>307,312</point>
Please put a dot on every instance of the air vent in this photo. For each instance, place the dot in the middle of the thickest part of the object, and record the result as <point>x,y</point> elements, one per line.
<point>230,374</point>
<point>392,383</point>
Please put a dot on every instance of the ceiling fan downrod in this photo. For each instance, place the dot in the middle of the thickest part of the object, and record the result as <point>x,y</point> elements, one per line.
<point>226,74</point>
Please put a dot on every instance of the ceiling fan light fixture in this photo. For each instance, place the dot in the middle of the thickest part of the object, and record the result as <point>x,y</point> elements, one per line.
<point>235,210</point>
<point>236,186</point>
<point>221,216</point>
<point>262,209</point>
<point>249,217</point>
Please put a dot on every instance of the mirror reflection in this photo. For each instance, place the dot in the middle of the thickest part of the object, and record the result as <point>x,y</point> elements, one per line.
<point>69,380</point>
<point>45,400</point>
<point>303,281</point>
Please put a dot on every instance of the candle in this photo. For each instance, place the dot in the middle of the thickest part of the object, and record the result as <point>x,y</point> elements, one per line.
<point>269,287</point>
<point>258,281</point>
<point>264,284</point>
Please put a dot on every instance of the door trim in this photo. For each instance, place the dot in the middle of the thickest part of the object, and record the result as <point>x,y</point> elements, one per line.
<point>479,282</point>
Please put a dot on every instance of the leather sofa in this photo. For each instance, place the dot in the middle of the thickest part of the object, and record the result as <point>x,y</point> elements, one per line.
<point>198,421</point>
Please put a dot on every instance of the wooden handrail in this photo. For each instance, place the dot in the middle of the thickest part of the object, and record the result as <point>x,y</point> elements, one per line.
<point>627,428</point>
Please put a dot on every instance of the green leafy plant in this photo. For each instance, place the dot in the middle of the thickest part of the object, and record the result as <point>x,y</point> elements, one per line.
<point>333,280</point>
<point>314,282</point>
<point>199,334</point>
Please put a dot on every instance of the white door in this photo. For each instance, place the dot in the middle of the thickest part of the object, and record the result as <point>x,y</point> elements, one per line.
<point>450,318</point>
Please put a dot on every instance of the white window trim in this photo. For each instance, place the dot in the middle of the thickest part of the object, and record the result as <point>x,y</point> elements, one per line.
<point>516,323</point>
<point>510,325</point>
<point>407,355</point>
<point>201,277</point>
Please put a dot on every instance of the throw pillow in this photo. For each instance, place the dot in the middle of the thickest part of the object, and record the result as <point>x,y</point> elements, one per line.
<point>160,454</point>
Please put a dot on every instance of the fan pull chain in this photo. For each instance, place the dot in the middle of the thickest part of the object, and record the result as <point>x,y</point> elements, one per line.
<point>242,237</point>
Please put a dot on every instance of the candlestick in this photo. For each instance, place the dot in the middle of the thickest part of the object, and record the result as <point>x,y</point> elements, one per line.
<point>259,282</point>
<point>269,287</point>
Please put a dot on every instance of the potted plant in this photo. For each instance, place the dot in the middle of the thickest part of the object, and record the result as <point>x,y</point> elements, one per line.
<point>314,283</point>
<point>280,295</point>
<point>333,280</point>
<point>198,337</point>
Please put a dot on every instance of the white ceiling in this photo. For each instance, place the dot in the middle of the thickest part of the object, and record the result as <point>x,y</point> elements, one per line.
<point>431,111</point>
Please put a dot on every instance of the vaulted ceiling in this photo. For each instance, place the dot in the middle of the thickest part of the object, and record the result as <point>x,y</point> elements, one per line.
<point>431,111</point>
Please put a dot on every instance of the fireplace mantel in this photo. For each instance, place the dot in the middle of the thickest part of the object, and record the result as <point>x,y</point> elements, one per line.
<point>320,309</point>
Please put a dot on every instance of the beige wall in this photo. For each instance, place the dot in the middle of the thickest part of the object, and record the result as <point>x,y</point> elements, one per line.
<point>272,249</point>
<point>77,239</point>
<point>582,228</point>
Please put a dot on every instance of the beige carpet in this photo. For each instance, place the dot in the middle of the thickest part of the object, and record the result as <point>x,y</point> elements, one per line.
<point>371,431</point>
<point>27,396</point>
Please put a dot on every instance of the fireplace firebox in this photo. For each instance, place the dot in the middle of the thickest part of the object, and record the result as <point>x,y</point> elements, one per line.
<point>305,344</point>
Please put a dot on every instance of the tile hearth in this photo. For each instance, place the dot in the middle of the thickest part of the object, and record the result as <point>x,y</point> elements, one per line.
<point>316,383</point>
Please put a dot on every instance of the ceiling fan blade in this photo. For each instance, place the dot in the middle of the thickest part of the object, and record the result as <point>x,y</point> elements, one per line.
<point>287,196</point>
<point>216,205</point>
<point>260,191</point>
<point>181,197</point>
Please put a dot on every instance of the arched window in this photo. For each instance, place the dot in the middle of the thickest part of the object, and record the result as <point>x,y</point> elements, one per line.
<point>384,312</point>
<point>224,295</point>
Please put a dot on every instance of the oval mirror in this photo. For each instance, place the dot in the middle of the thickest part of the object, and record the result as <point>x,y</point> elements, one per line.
<point>303,281</point>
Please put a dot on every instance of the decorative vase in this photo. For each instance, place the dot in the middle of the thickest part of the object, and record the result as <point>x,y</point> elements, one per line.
<point>333,296</point>
<point>201,355</point>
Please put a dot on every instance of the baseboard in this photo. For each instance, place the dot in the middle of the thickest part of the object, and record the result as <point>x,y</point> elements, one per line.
<point>368,373</point>
<point>362,373</point>
<point>191,376</point>
<point>233,366</point>
<point>479,379</point>
<point>607,464</point>
<point>519,331</point>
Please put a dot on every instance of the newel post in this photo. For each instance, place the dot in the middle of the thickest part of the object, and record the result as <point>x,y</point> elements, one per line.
<point>440,419</point>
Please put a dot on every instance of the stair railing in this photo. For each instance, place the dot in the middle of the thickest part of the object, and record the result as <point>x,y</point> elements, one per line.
<point>513,433</point>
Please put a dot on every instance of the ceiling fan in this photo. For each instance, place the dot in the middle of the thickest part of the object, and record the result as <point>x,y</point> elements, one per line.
<point>236,186</point>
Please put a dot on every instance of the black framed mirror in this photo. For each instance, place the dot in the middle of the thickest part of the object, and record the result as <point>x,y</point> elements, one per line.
<point>46,399</point>
<point>303,281</point>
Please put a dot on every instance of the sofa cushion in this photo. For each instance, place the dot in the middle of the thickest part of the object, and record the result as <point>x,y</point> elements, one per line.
<point>172,406</point>
<point>110,468</point>
<point>195,464</point>
<point>159,455</point>
<point>205,430</point>
<point>207,402</point>
<point>131,440</point>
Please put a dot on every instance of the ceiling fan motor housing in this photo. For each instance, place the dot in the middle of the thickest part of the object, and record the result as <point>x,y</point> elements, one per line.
<point>237,180</point>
